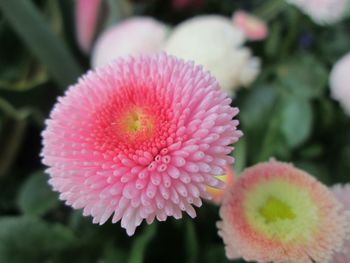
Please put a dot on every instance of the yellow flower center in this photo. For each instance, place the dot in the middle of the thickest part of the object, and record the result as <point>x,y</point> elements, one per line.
<point>136,122</point>
<point>281,210</point>
<point>275,209</point>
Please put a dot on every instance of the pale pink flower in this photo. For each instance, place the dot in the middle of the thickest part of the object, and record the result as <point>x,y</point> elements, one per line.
<point>141,138</point>
<point>253,28</point>
<point>342,193</point>
<point>86,15</point>
<point>278,213</point>
<point>322,11</point>
<point>340,82</point>
<point>216,194</point>
<point>134,36</point>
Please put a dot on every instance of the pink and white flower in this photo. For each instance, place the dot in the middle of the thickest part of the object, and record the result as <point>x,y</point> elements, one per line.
<point>278,213</point>
<point>140,138</point>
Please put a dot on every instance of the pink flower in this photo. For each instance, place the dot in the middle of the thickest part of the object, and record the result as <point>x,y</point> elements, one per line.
<point>340,82</point>
<point>342,193</point>
<point>277,213</point>
<point>134,36</point>
<point>322,11</point>
<point>184,4</point>
<point>141,138</point>
<point>216,194</point>
<point>86,15</point>
<point>252,27</point>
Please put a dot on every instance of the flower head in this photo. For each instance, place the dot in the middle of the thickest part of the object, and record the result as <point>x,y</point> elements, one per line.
<point>340,82</point>
<point>214,42</point>
<point>216,194</point>
<point>141,138</point>
<point>277,213</point>
<point>86,15</point>
<point>322,11</point>
<point>342,193</point>
<point>252,27</point>
<point>134,36</point>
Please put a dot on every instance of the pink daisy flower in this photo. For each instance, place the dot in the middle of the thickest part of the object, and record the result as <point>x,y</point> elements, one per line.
<point>86,15</point>
<point>342,193</point>
<point>216,194</point>
<point>141,138</point>
<point>277,213</point>
<point>252,27</point>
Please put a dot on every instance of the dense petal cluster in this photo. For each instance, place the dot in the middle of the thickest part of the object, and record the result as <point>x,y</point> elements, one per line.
<point>322,11</point>
<point>217,194</point>
<point>214,42</point>
<point>253,28</point>
<point>133,36</point>
<point>340,82</point>
<point>277,213</point>
<point>342,193</point>
<point>141,138</point>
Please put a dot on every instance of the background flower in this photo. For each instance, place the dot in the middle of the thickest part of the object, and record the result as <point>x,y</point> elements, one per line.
<point>134,36</point>
<point>252,27</point>
<point>340,82</point>
<point>215,43</point>
<point>276,212</point>
<point>342,193</point>
<point>216,194</point>
<point>86,15</point>
<point>141,139</point>
<point>322,11</point>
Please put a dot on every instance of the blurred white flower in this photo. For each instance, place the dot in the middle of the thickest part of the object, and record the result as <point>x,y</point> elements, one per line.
<point>340,82</point>
<point>322,11</point>
<point>134,36</point>
<point>215,43</point>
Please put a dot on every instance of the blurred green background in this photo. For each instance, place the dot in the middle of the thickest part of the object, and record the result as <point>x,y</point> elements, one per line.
<point>287,114</point>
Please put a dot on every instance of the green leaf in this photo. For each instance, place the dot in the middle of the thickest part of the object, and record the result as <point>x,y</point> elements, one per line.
<point>113,254</point>
<point>139,246</point>
<point>29,24</point>
<point>215,253</point>
<point>36,196</point>
<point>191,243</point>
<point>303,76</point>
<point>240,154</point>
<point>296,120</point>
<point>26,239</point>
<point>26,76</point>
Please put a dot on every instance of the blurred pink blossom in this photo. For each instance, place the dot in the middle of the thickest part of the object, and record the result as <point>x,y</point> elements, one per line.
<point>134,36</point>
<point>86,16</point>
<point>253,27</point>
<point>185,4</point>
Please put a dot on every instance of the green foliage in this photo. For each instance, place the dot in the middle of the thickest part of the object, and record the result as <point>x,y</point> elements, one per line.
<point>36,196</point>
<point>33,29</point>
<point>27,239</point>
